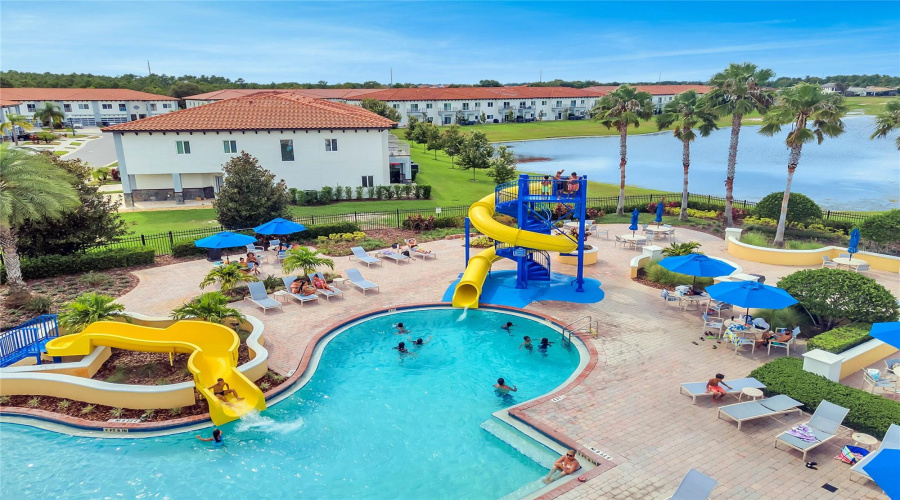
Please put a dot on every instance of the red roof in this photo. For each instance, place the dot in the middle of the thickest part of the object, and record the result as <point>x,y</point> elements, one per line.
<point>4,103</point>
<point>41,94</point>
<point>657,89</point>
<point>219,95</point>
<point>471,93</point>
<point>261,111</point>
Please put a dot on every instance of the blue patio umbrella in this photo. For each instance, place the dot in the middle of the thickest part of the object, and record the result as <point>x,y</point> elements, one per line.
<point>889,333</point>
<point>697,264</point>
<point>660,208</point>
<point>225,239</point>
<point>634,221</point>
<point>279,226</point>
<point>853,247</point>
<point>883,469</point>
<point>751,294</point>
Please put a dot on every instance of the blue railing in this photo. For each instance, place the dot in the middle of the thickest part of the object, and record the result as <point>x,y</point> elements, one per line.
<point>27,339</point>
<point>541,258</point>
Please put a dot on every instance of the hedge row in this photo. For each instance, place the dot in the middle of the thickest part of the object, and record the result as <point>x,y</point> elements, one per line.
<point>47,266</point>
<point>841,339</point>
<point>441,222</point>
<point>338,193</point>
<point>869,413</point>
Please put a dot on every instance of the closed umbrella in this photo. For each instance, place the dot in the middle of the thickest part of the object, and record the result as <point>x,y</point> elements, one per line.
<point>279,226</point>
<point>697,264</point>
<point>889,333</point>
<point>853,247</point>
<point>634,221</point>
<point>660,208</point>
<point>883,470</point>
<point>225,239</point>
<point>751,294</point>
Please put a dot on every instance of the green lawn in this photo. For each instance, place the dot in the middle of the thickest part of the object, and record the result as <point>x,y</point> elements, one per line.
<point>868,105</point>
<point>161,221</point>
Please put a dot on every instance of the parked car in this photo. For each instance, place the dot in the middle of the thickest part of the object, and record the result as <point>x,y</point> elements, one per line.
<point>77,125</point>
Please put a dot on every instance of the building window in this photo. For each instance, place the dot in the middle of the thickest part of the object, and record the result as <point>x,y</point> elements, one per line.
<point>230,146</point>
<point>543,103</point>
<point>66,107</point>
<point>477,105</point>
<point>582,101</point>
<point>558,104</point>
<point>521,104</point>
<point>413,107</point>
<point>30,107</point>
<point>395,106</point>
<point>573,103</point>
<point>490,117</point>
<point>122,107</point>
<point>367,181</point>
<point>287,150</point>
<point>447,106</point>
<point>183,147</point>
<point>152,106</point>
<point>429,105</point>
<point>532,102</point>
<point>167,105</point>
<point>465,106</point>
<point>490,105</point>
<point>106,106</point>
<point>330,144</point>
<point>84,106</point>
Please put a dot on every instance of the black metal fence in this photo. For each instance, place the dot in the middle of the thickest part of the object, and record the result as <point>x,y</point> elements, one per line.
<point>367,221</point>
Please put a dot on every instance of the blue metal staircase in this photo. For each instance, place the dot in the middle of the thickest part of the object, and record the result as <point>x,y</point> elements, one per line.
<point>27,339</point>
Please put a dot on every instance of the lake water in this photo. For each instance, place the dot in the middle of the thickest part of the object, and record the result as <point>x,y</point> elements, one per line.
<point>850,172</point>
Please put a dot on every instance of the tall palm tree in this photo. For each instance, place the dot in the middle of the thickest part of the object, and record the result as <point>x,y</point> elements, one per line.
<point>689,114</point>
<point>89,308</point>
<point>800,105</point>
<point>212,307</point>
<point>305,259</point>
<point>50,112</point>
<point>737,91</point>
<point>227,276</point>
<point>888,120</point>
<point>621,108</point>
<point>31,188</point>
<point>13,121</point>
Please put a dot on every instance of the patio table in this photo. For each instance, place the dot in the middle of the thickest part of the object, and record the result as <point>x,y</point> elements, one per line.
<point>658,233</point>
<point>852,263</point>
<point>634,239</point>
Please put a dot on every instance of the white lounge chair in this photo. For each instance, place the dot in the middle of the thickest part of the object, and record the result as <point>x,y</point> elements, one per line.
<point>296,296</point>
<point>862,268</point>
<point>872,378</point>
<point>259,296</point>
<point>694,486</point>
<point>360,254</point>
<point>670,298</point>
<point>717,307</point>
<point>823,425</point>
<point>786,345</point>
<point>337,292</point>
<point>751,410</point>
<point>253,248</point>
<point>891,441</point>
<point>359,282</point>
<point>697,389</point>
<point>711,324</point>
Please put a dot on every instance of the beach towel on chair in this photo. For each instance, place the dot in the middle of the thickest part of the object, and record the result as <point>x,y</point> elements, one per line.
<point>802,432</point>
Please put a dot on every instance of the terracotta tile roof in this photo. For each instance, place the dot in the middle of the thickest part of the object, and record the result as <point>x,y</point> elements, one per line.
<point>42,94</point>
<point>657,89</point>
<point>4,103</point>
<point>218,95</point>
<point>261,111</point>
<point>471,93</point>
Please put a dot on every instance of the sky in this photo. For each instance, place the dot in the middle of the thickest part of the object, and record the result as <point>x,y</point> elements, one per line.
<point>448,42</point>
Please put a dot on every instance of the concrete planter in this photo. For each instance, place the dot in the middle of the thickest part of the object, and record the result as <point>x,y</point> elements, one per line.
<point>590,257</point>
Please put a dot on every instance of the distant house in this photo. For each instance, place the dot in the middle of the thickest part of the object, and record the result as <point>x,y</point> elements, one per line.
<point>831,87</point>
<point>661,94</point>
<point>308,142</point>
<point>92,107</point>
<point>871,91</point>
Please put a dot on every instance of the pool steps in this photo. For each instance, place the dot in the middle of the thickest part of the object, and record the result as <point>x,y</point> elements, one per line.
<point>523,444</point>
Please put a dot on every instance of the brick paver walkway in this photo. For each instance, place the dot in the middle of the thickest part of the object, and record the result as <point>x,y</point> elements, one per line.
<point>628,407</point>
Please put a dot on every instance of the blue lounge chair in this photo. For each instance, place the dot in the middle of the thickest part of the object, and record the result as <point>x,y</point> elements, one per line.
<point>259,296</point>
<point>823,424</point>
<point>337,292</point>
<point>751,410</point>
<point>359,282</point>
<point>360,254</point>
<point>695,389</point>
<point>296,296</point>
<point>891,441</point>
<point>694,485</point>
<point>394,256</point>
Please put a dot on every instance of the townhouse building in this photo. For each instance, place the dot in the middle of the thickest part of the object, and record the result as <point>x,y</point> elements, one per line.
<point>92,107</point>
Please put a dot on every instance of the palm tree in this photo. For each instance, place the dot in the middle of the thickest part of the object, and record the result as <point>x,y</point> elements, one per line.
<point>212,307</point>
<point>50,112</point>
<point>800,105</point>
<point>687,113</point>
<point>227,276</point>
<point>888,120</point>
<point>31,189</point>
<point>621,108</point>
<point>13,121</point>
<point>89,308</point>
<point>737,91</point>
<point>305,259</point>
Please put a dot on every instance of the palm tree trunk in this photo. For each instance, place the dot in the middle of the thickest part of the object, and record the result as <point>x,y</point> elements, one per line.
<point>782,219</point>
<point>732,162</point>
<point>11,258</point>
<point>686,163</point>
<point>623,152</point>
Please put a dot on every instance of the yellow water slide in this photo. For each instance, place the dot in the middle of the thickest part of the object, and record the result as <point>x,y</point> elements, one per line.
<point>481,216</point>
<point>213,349</point>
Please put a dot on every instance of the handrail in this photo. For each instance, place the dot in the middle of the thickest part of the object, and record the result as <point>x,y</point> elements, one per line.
<point>592,324</point>
<point>22,341</point>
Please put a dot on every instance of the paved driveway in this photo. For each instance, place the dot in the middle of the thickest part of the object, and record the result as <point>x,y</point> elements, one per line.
<point>98,152</point>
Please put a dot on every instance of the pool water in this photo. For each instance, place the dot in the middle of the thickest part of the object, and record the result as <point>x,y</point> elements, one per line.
<point>371,423</point>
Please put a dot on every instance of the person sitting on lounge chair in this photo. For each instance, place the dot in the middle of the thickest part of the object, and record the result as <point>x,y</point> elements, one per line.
<point>242,264</point>
<point>295,286</point>
<point>307,289</point>
<point>321,284</point>
<point>774,337</point>
<point>251,257</point>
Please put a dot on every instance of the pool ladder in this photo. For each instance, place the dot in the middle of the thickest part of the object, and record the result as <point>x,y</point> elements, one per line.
<point>583,324</point>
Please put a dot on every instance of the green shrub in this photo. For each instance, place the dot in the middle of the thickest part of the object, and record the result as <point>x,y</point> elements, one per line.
<point>359,192</point>
<point>294,192</point>
<point>443,222</point>
<point>426,192</point>
<point>481,242</point>
<point>803,245</point>
<point>311,197</point>
<point>789,317</point>
<point>838,225</point>
<point>94,279</point>
<point>326,194</point>
<point>869,413</point>
<point>47,266</point>
<point>681,249</point>
<point>882,228</point>
<point>370,192</point>
<point>186,248</point>
<point>658,274</point>
<point>834,295</point>
<point>313,232</point>
<point>348,192</point>
<point>841,339</point>
<point>338,192</point>
<point>800,208</point>
<point>417,191</point>
<point>755,238</point>
<point>39,304</point>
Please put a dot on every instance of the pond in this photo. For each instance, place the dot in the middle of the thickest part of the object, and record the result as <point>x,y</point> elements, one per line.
<point>850,172</point>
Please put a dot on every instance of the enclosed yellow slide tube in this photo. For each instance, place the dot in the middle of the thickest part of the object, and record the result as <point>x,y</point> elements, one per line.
<point>481,213</point>
<point>213,349</point>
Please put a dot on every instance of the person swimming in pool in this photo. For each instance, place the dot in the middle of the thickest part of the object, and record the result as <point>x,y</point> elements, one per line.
<point>403,350</point>
<point>502,388</point>
<point>401,329</point>
<point>419,342</point>
<point>508,327</point>
<point>216,438</point>
<point>526,344</point>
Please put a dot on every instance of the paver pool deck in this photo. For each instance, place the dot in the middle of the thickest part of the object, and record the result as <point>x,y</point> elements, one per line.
<point>629,406</point>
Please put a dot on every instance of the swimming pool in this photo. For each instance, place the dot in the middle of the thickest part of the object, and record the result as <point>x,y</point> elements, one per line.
<point>369,424</point>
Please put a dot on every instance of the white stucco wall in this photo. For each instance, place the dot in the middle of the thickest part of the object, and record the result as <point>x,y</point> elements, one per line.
<point>360,153</point>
